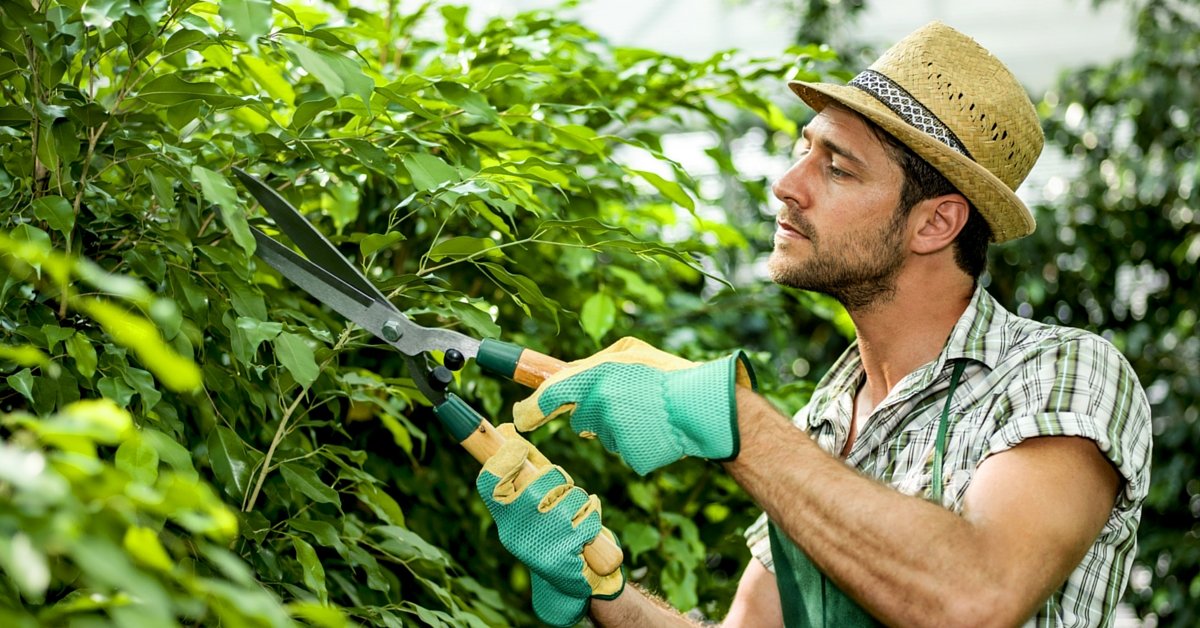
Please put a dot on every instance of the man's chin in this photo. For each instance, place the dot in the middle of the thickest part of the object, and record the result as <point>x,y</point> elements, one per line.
<point>781,272</point>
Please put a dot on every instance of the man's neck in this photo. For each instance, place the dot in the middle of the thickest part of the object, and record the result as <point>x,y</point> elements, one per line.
<point>897,337</point>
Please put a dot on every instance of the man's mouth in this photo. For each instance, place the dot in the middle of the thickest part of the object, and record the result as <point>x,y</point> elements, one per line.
<point>788,230</point>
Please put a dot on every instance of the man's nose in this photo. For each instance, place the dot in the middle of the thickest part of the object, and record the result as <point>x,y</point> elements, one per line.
<point>792,188</point>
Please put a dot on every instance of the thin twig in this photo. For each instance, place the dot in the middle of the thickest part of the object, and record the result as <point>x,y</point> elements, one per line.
<point>281,431</point>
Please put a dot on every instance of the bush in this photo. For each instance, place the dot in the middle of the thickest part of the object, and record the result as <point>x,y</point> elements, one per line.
<point>189,438</point>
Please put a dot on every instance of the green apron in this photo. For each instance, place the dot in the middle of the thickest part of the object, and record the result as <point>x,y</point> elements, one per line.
<point>809,598</point>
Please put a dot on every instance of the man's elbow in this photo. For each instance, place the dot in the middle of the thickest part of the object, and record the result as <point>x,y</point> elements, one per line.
<point>991,606</point>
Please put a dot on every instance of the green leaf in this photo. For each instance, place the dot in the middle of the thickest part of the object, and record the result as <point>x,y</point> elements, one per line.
<point>309,110</point>
<point>56,334</point>
<point>183,39</point>
<point>250,19</point>
<point>322,531</point>
<point>526,290</point>
<point>384,506</point>
<point>679,583</point>
<point>428,172</point>
<point>669,189</point>
<point>579,138</point>
<point>143,545</point>
<point>57,212</point>
<point>337,74</point>
<point>130,330</point>
<point>170,451</point>
<point>139,459</point>
<point>377,241</point>
<point>297,357</point>
<point>116,390</point>
<point>314,573</point>
<point>81,350</point>
<point>22,382</point>
<point>230,462</point>
<point>460,246</point>
<point>305,480</point>
<point>24,355</point>
<point>99,420</point>
<point>257,331</point>
<point>478,320</point>
<point>472,102</point>
<point>598,315</point>
<point>407,544</point>
<point>169,90</point>
<point>269,78</point>
<point>320,614</point>
<point>638,537</point>
<point>216,189</point>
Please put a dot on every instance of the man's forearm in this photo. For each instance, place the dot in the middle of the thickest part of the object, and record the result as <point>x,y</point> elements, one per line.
<point>635,607</point>
<point>906,560</point>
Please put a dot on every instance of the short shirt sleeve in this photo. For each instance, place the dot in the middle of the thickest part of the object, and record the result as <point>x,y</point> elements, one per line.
<point>1081,386</point>
<point>759,542</point>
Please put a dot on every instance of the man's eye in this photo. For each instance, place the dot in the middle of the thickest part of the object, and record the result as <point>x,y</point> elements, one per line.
<point>799,151</point>
<point>836,172</point>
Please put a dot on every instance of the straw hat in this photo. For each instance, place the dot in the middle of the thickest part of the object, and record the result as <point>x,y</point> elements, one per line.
<point>958,107</point>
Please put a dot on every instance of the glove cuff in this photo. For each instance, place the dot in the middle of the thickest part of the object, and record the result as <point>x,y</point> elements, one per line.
<point>703,406</point>
<point>554,607</point>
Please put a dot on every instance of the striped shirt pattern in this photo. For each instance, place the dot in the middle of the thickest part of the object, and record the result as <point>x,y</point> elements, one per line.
<point>1023,379</point>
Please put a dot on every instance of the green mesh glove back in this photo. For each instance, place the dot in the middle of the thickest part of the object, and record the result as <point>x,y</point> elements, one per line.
<point>545,525</point>
<point>650,407</point>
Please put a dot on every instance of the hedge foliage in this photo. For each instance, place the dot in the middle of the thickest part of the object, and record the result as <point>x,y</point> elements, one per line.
<point>188,438</point>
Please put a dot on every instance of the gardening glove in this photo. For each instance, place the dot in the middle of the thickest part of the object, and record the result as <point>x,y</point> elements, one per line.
<point>650,407</point>
<point>545,524</point>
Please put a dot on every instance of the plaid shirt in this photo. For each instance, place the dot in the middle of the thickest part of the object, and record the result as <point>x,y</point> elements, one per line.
<point>1023,379</point>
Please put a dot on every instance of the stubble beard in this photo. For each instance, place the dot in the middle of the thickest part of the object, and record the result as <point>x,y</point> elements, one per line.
<point>859,270</point>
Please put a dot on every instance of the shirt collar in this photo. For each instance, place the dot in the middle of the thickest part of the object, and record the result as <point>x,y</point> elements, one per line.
<point>978,335</point>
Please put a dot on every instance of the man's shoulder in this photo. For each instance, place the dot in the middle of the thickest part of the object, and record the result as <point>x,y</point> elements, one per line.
<point>1034,340</point>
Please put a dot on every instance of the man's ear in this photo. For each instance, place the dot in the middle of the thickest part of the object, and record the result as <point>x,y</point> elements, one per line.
<point>938,222</point>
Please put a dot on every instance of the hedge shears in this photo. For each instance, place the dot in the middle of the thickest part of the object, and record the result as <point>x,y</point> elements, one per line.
<point>326,274</point>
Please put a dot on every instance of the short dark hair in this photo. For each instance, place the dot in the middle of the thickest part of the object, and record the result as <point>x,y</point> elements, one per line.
<point>923,181</point>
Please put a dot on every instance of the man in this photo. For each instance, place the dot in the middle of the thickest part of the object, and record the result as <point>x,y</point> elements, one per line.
<point>957,466</point>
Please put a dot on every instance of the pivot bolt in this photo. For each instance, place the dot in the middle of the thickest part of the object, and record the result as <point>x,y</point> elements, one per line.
<point>392,331</point>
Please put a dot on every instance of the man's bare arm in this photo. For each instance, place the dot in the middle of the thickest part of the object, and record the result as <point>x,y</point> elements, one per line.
<point>635,607</point>
<point>756,605</point>
<point>1030,515</point>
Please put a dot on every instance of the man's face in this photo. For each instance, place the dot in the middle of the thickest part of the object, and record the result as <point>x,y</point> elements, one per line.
<point>838,231</point>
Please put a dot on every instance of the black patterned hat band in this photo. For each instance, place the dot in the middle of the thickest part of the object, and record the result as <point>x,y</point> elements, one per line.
<point>903,104</point>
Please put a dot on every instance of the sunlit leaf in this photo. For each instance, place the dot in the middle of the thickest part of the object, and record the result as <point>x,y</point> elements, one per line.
<point>669,189</point>
<point>250,19</point>
<point>598,315</point>
<point>427,171</point>
<point>24,355</point>
<point>139,459</point>
<point>143,545</point>
<point>376,241</point>
<point>217,189</point>
<point>131,330</point>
